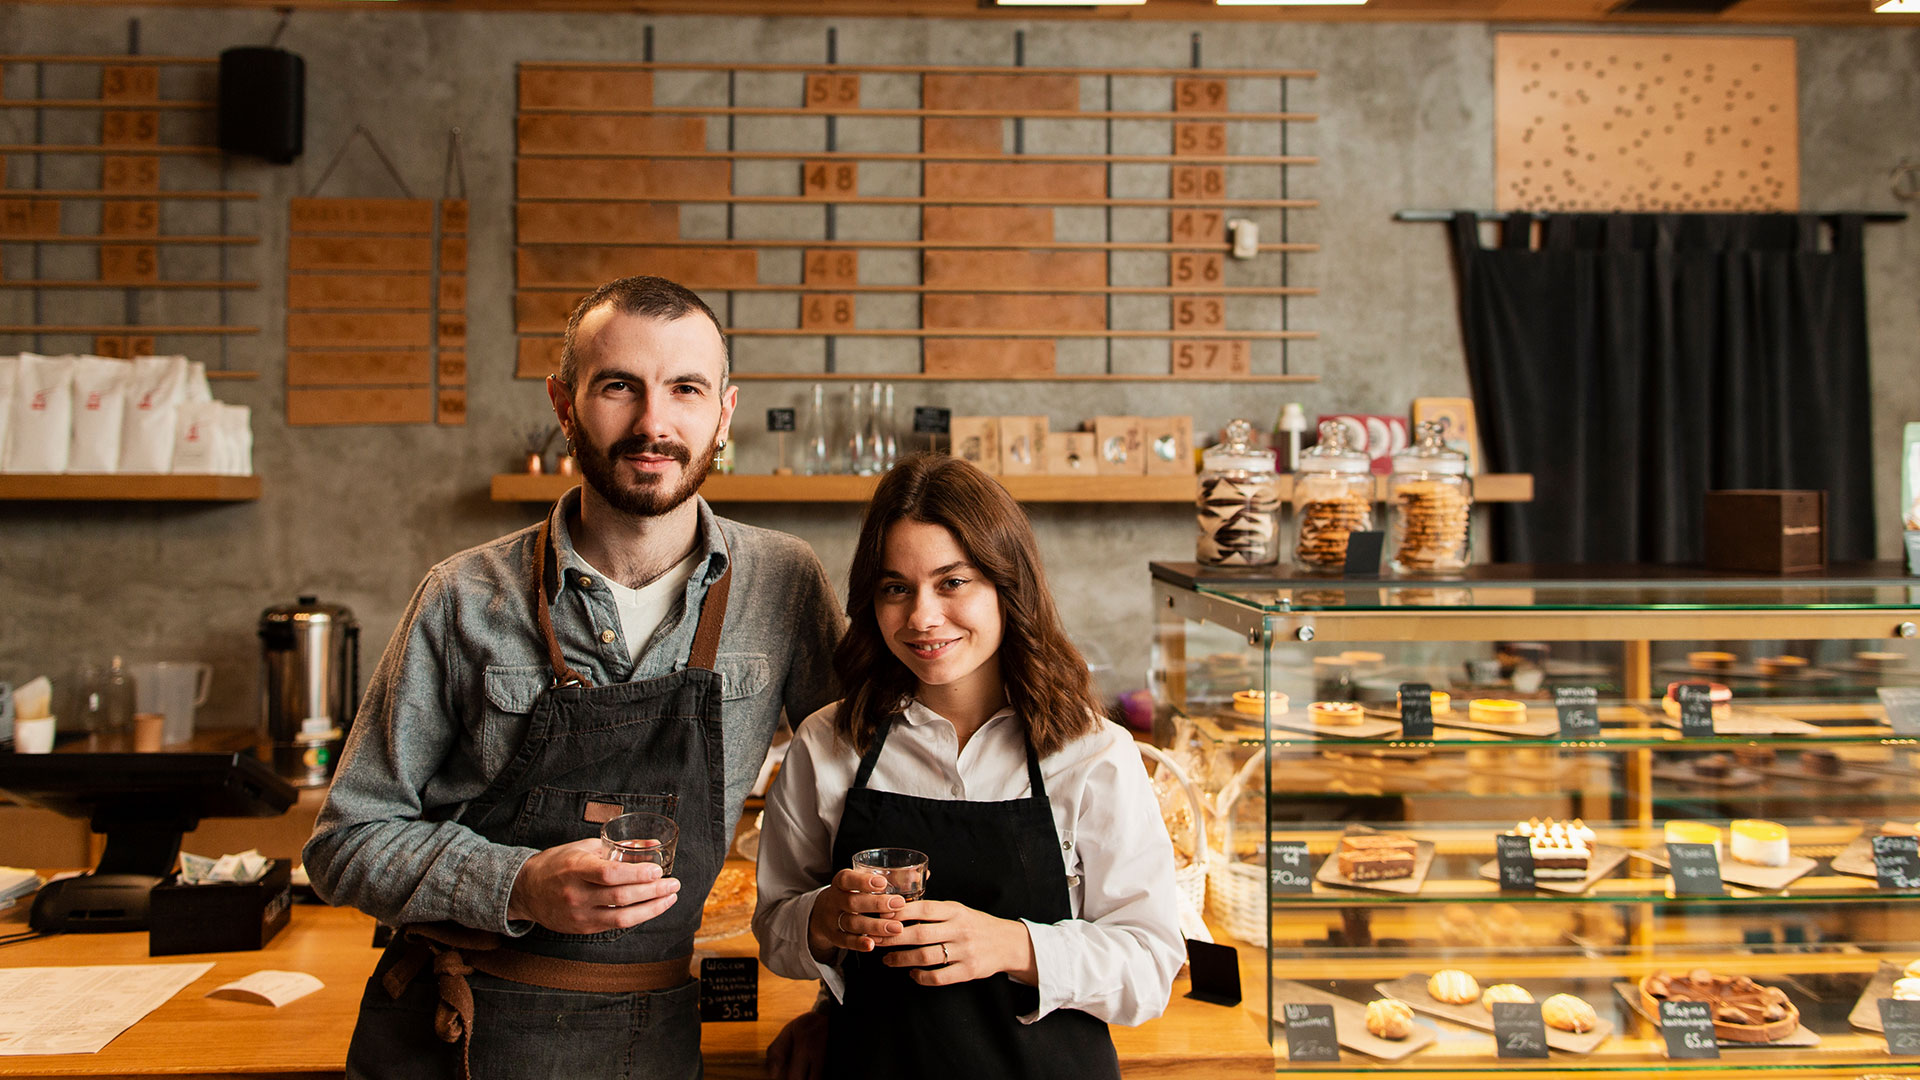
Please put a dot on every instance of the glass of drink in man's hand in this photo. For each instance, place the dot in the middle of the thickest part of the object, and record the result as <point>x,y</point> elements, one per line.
<point>641,837</point>
<point>904,868</point>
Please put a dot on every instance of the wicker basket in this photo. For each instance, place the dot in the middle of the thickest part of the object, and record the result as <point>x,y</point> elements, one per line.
<point>1191,879</point>
<point>1237,892</point>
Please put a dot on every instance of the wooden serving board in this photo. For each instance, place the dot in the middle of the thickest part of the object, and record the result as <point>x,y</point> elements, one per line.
<point>1801,1037</point>
<point>1857,859</point>
<point>1604,860</point>
<point>1542,722</point>
<point>1747,671</point>
<point>1848,774</point>
<point>1734,872</point>
<point>1350,1022</point>
<point>1745,722</point>
<point>1866,1011</point>
<point>1422,862</point>
<point>1738,776</point>
<point>1298,720</point>
<point>1412,989</point>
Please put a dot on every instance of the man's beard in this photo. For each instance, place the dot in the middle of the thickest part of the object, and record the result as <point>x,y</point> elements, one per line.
<point>645,495</point>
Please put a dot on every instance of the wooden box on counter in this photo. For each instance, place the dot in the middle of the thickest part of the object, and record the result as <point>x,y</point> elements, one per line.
<point>1781,531</point>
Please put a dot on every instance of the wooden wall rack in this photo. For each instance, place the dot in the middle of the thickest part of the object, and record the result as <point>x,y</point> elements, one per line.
<point>126,487</point>
<point>761,488</point>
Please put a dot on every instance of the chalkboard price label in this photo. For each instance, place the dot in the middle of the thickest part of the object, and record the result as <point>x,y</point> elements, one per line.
<point>1289,869</point>
<point>1363,554</point>
<point>1688,1028</point>
<point>1902,1022</point>
<point>1579,708</point>
<point>729,988</point>
<point>1903,709</point>
<point>1310,1033</point>
<point>1518,1030</point>
<point>1896,861</point>
<point>932,420</point>
<point>1516,861</point>
<point>1696,870</point>
<point>779,419</point>
<point>1416,710</point>
<point>1696,709</point>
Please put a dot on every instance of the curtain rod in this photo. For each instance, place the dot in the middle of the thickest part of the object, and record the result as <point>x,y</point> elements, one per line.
<point>1872,216</point>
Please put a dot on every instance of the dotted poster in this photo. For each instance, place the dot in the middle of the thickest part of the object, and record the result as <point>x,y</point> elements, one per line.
<point>1629,122</point>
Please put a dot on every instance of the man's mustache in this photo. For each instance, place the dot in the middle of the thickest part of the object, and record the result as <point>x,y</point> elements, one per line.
<point>640,444</point>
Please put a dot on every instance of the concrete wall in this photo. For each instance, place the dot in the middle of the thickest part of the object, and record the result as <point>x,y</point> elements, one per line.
<point>357,514</point>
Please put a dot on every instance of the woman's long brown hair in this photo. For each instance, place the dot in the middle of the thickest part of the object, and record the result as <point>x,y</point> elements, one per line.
<point>1046,678</point>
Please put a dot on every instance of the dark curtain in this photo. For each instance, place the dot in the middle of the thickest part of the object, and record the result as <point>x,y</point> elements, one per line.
<point>1633,362</point>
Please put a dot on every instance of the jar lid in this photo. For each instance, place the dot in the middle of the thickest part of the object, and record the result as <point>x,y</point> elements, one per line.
<point>1332,454</point>
<point>1238,450</point>
<point>1430,452</point>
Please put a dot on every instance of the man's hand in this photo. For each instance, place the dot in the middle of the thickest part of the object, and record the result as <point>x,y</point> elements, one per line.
<point>574,889</point>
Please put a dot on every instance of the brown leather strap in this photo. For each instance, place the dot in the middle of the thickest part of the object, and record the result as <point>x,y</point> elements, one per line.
<point>713,617</point>
<point>563,675</point>
<point>557,974</point>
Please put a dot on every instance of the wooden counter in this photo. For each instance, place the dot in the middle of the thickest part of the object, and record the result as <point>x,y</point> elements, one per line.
<point>192,1037</point>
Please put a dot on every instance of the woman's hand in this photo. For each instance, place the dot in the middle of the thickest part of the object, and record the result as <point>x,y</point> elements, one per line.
<point>799,1052</point>
<point>850,913</point>
<point>953,943</point>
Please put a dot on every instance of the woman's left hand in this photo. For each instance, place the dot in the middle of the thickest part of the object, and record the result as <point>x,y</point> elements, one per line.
<point>948,942</point>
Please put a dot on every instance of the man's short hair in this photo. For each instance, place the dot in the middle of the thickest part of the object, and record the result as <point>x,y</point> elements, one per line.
<point>646,296</point>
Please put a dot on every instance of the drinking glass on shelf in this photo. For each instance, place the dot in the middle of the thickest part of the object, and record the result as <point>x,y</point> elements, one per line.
<point>859,431</point>
<point>815,457</point>
<point>641,837</point>
<point>904,868</point>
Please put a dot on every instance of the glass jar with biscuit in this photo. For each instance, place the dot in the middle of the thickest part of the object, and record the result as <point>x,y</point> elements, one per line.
<point>1432,500</point>
<point>1332,498</point>
<point>1238,509</point>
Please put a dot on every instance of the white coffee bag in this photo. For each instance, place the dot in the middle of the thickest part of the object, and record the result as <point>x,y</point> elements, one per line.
<point>9,368</point>
<point>153,402</point>
<point>197,437</point>
<point>198,390</point>
<point>41,432</point>
<point>238,425</point>
<point>99,408</point>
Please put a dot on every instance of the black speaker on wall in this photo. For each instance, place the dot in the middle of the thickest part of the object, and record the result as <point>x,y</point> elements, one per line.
<point>263,103</point>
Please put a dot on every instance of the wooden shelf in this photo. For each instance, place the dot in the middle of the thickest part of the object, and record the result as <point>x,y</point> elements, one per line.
<point>760,488</point>
<point>118,487</point>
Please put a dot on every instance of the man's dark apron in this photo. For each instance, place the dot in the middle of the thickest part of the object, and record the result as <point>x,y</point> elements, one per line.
<point>618,1004</point>
<point>1003,858</point>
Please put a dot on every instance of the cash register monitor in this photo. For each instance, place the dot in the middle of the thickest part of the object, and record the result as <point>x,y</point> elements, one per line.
<point>143,803</point>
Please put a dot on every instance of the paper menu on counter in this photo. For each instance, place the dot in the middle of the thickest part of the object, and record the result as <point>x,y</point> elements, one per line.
<point>79,1010</point>
<point>275,988</point>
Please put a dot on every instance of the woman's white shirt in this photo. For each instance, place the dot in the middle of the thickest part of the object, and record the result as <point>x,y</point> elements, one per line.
<point>1114,959</point>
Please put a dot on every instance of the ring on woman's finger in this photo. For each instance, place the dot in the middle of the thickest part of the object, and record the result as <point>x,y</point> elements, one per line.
<point>945,956</point>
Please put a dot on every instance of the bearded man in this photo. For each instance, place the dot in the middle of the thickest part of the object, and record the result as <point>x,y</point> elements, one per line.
<point>631,653</point>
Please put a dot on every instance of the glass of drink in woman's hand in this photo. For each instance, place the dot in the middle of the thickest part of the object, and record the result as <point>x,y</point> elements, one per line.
<point>904,868</point>
<point>641,837</point>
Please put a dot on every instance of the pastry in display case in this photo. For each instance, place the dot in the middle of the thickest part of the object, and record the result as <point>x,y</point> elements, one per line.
<point>1521,852</point>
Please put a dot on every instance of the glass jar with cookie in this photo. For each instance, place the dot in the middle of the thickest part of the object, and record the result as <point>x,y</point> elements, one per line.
<point>1332,498</point>
<point>1432,500</point>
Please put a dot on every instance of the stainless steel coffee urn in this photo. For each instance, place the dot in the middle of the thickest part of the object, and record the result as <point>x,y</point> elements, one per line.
<point>309,686</point>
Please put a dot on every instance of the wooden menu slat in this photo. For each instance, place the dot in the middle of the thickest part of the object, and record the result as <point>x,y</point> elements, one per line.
<point>715,268</point>
<point>398,367</point>
<point>393,292</point>
<point>1031,311</point>
<point>451,407</point>
<point>453,291</point>
<point>412,217</point>
<point>543,312</point>
<point>452,367</point>
<point>453,253</point>
<point>138,173</point>
<point>130,218</point>
<point>125,83</point>
<point>1007,224</point>
<point>590,223</point>
<point>373,253</point>
<point>360,330</point>
<point>1031,268</point>
<point>988,358</point>
<point>549,88</point>
<point>319,407</point>
<point>984,135</point>
<point>679,181</point>
<point>453,215</point>
<point>1039,182</point>
<point>29,217</point>
<point>558,133</point>
<point>538,358</point>
<point>1019,92</point>
<point>450,330</point>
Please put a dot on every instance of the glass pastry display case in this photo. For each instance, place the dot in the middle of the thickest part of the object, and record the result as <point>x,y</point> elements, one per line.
<point>1645,804</point>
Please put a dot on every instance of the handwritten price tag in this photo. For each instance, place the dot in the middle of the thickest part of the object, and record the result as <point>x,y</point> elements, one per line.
<point>1310,1033</point>
<point>1901,1019</point>
<point>1515,854</point>
<point>729,988</point>
<point>1416,707</point>
<point>1290,870</point>
<point>1696,709</point>
<point>1518,1030</point>
<point>1696,870</point>
<point>1688,1028</point>
<point>1579,708</point>
<point>1896,861</point>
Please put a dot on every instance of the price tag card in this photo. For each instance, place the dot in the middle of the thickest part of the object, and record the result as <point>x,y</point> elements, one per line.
<point>1310,1034</point>
<point>1290,869</point>
<point>1363,554</point>
<point>729,988</point>
<point>1579,708</point>
<point>1696,870</point>
<point>1213,973</point>
<point>1518,1030</point>
<point>1416,710</point>
<point>1696,709</point>
<point>931,420</point>
<point>1903,709</point>
<point>1901,1019</point>
<point>1688,1028</point>
<point>779,419</point>
<point>1896,861</point>
<point>1516,861</point>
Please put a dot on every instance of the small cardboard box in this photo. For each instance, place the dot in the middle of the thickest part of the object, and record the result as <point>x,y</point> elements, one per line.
<point>1169,442</point>
<point>1071,453</point>
<point>1120,445</point>
<point>977,439</point>
<point>1767,531</point>
<point>226,916</point>
<point>1913,552</point>
<point>1023,445</point>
